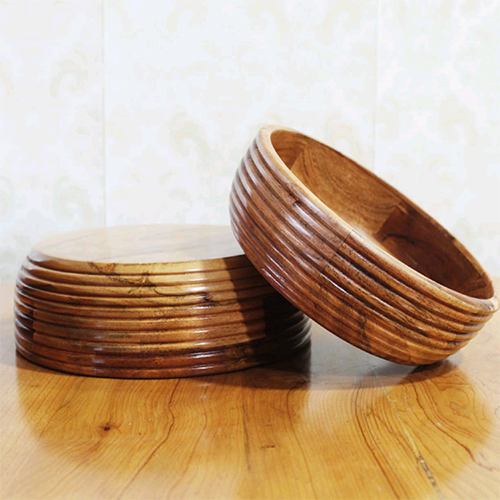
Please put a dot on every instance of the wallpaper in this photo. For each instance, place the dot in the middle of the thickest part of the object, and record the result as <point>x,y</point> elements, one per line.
<point>118,112</point>
<point>438,115</point>
<point>51,156</point>
<point>190,83</point>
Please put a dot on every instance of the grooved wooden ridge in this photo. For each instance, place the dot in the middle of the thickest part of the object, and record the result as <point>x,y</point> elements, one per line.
<point>353,253</point>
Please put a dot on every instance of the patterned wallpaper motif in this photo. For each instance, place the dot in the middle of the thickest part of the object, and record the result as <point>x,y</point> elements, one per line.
<point>193,82</point>
<point>51,156</point>
<point>438,115</point>
<point>125,112</point>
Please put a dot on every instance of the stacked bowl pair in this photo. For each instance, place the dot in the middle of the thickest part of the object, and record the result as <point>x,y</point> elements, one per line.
<point>150,301</point>
<point>327,238</point>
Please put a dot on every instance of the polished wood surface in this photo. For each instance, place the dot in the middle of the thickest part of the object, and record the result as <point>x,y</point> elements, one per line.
<point>334,422</point>
<point>198,320</point>
<point>154,310</point>
<point>84,317</point>
<point>127,280</point>
<point>354,254</point>
<point>143,300</point>
<point>153,249</point>
<point>140,290</point>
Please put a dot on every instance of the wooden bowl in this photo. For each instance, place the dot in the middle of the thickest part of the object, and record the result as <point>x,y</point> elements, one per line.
<point>355,254</point>
<point>103,303</point>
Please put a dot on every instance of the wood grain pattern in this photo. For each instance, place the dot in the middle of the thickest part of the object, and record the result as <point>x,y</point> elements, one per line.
<point>121,311</point>
<point>127,280</point>
<point>177,360</point>
<point>145,301</point>
<point>126,342</point>
<point>151,290</point>
<point>331,422</point>
<point>187,320</point>
<point>159,332</point>
<point>144,250</point>
<point>123,325</point>
<point>354,254</point>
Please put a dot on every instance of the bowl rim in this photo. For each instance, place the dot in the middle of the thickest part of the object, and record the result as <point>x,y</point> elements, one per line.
<point>384,260</point>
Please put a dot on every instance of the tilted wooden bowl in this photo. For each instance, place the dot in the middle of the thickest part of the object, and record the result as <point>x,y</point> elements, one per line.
<point>353,253</point>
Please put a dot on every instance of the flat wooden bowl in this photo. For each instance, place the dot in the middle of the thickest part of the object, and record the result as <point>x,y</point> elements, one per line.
<point>355,254</point>
<point>183,357</point>
<point>83,306</point>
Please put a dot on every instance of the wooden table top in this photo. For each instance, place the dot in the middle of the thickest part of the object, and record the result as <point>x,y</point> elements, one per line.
<point>335,422</point>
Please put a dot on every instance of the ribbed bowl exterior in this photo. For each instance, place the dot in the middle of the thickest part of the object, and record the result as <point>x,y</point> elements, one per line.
<point>339,279</point>
<point>179,343</point>
<point>219,315</point>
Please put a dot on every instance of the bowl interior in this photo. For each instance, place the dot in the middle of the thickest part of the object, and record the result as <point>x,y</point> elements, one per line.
<point>380,213</point>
